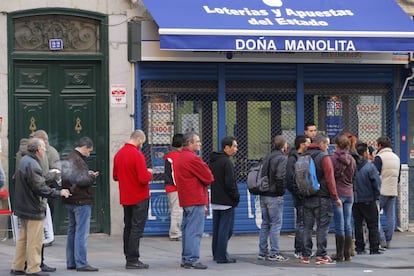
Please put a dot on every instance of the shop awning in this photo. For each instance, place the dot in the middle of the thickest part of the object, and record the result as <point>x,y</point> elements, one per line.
<point>283,25</point>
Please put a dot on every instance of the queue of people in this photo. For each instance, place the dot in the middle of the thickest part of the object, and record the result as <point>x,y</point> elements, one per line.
<point>30,207</point>
<point>356,184</point>
<point>41,175</point>
<point>353,189</point>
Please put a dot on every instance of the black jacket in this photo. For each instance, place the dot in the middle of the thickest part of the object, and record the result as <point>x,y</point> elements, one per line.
<point>76,178</point>
<point>274,166</point>
<point>224,188</point>
<point>31,189</point>
<point>290,178</point>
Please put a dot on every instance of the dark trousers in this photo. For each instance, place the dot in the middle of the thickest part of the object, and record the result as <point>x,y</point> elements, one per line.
<point>317,210</point>
<point>135,217</point>
<point>223,221</point>
<point>299,229</point>
<point>367,211</point>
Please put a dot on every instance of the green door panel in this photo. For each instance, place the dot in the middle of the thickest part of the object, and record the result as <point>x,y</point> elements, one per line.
<point>61,98</point>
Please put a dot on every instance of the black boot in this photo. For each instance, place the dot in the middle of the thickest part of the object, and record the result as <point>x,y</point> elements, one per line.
<point>340,242</point>
<point>348,248</point>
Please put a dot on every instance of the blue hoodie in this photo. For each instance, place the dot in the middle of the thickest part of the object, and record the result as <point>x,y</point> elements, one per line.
<point>367,182</point>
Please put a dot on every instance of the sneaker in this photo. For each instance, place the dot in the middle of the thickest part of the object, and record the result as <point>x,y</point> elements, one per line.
<point>194,266</point>
<point>261,257</point>
<point>48,244</point>
<point>277,257</point>
<point>375,252</point>
<point>297,255</point>
<point>380,248</point>
<point>324,260</point>
<point>305,260</point>
<point>362,252</point>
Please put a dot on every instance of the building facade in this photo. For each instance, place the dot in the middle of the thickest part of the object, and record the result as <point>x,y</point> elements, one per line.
<point>95,68</point>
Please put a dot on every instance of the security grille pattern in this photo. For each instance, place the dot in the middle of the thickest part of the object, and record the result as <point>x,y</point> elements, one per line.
<point>171,107</point>
<point>362,109</point>
<point>256,111</point>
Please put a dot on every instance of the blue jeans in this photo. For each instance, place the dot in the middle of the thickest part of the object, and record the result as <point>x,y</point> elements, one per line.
<point>78,232</point>
<point>192,229</point>
<point>223,221</point>
<point>135,217</point>
<point>317,210</point>
<point>343,216</point>
<point>387,203</point>
<point>272,211</point>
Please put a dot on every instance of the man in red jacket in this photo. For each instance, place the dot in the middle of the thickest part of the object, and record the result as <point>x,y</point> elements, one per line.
<point>176,212</point>
<point>133,176</point>
<point>192,178</point>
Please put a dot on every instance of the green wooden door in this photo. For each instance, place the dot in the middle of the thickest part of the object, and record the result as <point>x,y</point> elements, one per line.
<point>66,100</point>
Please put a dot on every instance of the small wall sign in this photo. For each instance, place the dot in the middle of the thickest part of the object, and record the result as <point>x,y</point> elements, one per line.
<point>55,44</point>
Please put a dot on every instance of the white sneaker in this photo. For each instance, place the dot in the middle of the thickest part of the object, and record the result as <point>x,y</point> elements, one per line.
<point>298,255</point>
<point>277,257</point>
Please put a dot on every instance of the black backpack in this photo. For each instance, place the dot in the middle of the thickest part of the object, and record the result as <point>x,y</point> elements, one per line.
<point>256,182</point>
<point>305,177</point>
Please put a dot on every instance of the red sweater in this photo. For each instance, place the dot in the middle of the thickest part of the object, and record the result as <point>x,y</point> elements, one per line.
<point>170,160</point>
<point>192,177</point>
<point>130,170</point>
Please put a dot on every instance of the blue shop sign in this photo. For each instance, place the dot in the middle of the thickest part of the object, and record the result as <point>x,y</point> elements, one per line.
<point>283,25</point>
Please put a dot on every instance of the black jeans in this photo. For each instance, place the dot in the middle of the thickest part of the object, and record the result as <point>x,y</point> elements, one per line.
<point>317,210</point>
<point>135,217</point>
<point>367,211</point>
<point>299,248</point>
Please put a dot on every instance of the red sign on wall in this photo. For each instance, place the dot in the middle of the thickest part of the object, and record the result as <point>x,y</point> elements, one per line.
<point>118,95</point>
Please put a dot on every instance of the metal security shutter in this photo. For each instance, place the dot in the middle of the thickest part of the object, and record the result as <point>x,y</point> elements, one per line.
<point>260,103</point>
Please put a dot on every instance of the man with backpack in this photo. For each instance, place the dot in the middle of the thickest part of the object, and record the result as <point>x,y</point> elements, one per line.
<point>271,202</point>
<point>301,145</point>
<point>318,207</point>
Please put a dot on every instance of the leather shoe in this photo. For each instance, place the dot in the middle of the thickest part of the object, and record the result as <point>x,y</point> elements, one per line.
<point>40,273</point>
<point>227,261</point>
<point>87,268</point>
<point>136,265</point>
<point>17,272</point>
<point>71,267</point>
<point>194,266</point>
<point>46,268</point>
